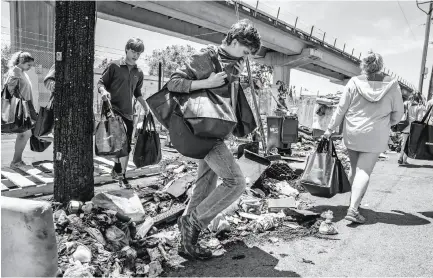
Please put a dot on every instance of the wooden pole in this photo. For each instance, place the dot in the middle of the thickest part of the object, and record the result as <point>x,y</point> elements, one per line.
<point>256,106</point>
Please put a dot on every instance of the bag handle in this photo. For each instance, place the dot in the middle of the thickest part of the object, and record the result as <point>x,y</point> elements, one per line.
<point>149,121</point>
<point>427,115</point>
<point>216,62</point>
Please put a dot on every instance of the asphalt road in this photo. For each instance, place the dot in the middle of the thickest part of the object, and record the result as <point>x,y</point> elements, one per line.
<point>395,241</point>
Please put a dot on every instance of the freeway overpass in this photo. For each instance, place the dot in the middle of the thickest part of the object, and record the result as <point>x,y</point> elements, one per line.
<point>285,46</point>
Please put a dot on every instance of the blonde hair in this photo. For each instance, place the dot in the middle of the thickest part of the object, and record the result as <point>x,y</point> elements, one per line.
<point>373,63</point>
<point>20,57</point>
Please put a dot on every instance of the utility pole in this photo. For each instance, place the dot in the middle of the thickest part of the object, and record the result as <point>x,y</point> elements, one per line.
<point>430,89</point>
<point>73,100</point>
<point>424,52</point>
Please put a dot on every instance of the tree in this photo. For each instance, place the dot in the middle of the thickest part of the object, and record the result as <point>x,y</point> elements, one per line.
<point>172,57</point>
<point>73,98</point>
<point>6,55</point>
<point>262,74</point>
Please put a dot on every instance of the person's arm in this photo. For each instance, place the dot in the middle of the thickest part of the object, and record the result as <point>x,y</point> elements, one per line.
<point>105,81</point>
<point>139,96</point>
<point>13,80</point>
<point>195,75</point>
<point>397,106</point>
<point>341,111</point>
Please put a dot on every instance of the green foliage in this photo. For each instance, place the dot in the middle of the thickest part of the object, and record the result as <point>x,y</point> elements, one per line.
<point>172,57</point>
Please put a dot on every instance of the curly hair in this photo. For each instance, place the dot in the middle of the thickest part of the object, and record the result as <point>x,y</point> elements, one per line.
<point>20,57</point>
<point>373,63</point>
<point>245,33</point>
<point>135,44</point>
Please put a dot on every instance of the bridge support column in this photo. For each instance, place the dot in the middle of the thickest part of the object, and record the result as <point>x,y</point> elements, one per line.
<point>282,74</point>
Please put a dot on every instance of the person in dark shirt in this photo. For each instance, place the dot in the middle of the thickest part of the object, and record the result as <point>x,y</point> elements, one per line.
<point>120,82</point>
<point>208,199</point>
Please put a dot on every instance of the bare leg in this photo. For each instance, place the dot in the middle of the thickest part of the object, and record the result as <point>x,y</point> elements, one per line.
<point>364,167</point>
<point>20,144</point>
<point>124,162</point>
<point>403,156</point>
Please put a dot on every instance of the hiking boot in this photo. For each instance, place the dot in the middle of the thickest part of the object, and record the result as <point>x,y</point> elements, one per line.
<point>354,216</point>
<point>189,249</point>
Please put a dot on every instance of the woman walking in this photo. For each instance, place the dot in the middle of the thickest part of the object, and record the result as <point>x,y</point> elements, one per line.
<point>415,109</point>
<point>19,63</point>
<point>371,103</point>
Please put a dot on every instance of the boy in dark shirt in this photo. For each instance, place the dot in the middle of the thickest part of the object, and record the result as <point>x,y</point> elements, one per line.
<point>120,82</point>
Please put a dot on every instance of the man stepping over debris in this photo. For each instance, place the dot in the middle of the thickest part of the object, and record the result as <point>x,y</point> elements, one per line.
<point>207,199</point>
<point>120,82</point>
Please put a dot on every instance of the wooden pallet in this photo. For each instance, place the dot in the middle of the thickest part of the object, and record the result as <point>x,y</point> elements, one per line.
<point>38,179</point>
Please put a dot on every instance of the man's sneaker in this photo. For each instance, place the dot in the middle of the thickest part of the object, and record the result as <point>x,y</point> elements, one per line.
<point>124,182</point>
<point>354,216</point>
<point>189,249</point>
<point>115,175</point>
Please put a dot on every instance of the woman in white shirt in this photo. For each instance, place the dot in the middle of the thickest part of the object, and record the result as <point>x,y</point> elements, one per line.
<point>371,103</point>
<point>19,63</point>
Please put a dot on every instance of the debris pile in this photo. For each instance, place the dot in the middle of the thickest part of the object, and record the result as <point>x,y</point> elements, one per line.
<point>134,233</point>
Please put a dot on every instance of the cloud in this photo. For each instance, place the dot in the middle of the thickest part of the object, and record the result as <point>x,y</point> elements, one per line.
<point>391,45</point>
<point>384,24</point>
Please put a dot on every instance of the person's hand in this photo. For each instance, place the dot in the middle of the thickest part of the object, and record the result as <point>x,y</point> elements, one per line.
<point>216,79</point>
<point>327,134</point>
<point>240,65</point>
<point>105,95</point>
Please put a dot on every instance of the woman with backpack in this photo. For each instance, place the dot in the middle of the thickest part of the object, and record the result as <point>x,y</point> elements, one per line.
<point>413,111</point>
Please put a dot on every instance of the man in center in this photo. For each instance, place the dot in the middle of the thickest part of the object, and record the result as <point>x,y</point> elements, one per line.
<point>208,200</point>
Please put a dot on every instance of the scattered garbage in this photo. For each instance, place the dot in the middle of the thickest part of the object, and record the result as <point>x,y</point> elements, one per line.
<point>74,206</point>
<point>327,227</point>
<point>124,233</point>
<point>285,188</point>
<point>82,254</point>
<point>77,270</point>
<point>124,201</point>
<point>145,227</point>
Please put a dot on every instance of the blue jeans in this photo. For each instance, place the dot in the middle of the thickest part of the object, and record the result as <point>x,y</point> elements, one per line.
<point>207,199</point>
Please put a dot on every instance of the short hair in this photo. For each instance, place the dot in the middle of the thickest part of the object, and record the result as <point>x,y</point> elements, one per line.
<point>372,63</point>
<point>245,33</point>
<point>135,44</point>
<point>20,57</point>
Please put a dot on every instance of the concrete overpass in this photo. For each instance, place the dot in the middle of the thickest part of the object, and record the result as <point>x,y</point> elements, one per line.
<point>284,46</point>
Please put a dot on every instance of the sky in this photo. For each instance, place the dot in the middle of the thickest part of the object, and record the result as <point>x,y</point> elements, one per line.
<point>394,29</point>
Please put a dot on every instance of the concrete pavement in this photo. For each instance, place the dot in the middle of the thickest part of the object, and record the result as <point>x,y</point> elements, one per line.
<point>395,241</point>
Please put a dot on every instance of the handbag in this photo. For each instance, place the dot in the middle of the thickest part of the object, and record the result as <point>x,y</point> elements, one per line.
<point>184,140</point>
<point>324,175</point>
<point>246,123</point>
<point>206,112</point>
<point>400,126</point>
<point>110,135</point>
<point>6,96</point>
<point>147,150</point>
<point>419,144</point>
<point>38,145</point>
<point>45,121</point>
